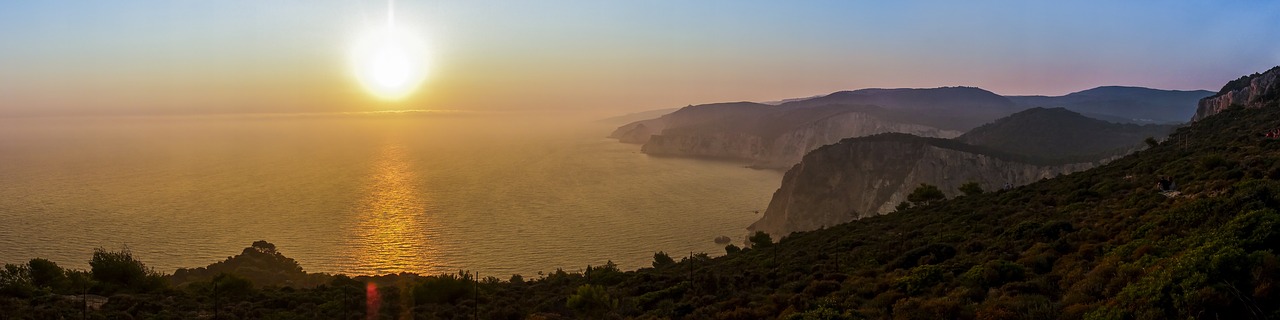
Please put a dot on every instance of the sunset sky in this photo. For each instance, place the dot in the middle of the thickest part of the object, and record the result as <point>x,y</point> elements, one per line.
<point>605,57</point>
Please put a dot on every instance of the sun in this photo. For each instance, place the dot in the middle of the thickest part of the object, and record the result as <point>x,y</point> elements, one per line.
<point>389,62</point>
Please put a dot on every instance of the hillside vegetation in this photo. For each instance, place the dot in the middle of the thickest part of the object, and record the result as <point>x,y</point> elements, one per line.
<point>1098,244</point>
<point>1058,133</point>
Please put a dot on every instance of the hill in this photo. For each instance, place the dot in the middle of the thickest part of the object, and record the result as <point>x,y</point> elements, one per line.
<point>1058,133</point>
<point>778,136</point>
<point>949,108</point>
<point>1123,104</point>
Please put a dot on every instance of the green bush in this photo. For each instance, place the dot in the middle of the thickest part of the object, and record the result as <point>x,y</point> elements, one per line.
<point>591,301</point>
<point>118,271</point>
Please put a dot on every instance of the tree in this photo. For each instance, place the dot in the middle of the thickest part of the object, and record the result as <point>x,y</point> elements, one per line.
<point>445,288</point>
<point>118,270</point>
<point>1151,142</point>
<point>732,249</point>
<point>971,188</point>
<point>15,280</point>
<point>760,240</point>
<point>902,206</point>
<point>45,273</point>
<point>264,247</point>
<point>926,194</point>
<point>232,286</point>
<point>608,274</point>
<point>592,301</point>
<point>661,259</point>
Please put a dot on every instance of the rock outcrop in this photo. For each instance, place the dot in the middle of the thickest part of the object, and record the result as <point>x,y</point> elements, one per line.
<point>1253,91</point>
<point>868,176</point>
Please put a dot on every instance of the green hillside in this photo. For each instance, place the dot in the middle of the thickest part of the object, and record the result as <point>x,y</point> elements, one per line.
<point>1099,244</point>
<point>1058,133</point>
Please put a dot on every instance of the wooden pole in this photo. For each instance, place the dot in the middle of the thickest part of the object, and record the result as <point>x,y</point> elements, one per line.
<point>476,297</point>
<point>215,298</point>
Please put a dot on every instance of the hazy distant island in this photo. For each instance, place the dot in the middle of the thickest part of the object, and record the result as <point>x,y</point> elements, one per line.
<point>778,136</point>
<point>1115,241</point>
<point>996,142</point>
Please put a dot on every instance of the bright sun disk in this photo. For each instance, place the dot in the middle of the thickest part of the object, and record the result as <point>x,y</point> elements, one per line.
<point>389,63</point>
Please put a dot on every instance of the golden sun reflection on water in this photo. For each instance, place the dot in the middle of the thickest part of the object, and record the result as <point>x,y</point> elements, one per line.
<point>393,228</point>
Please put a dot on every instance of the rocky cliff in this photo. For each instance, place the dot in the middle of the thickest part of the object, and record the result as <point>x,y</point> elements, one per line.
<point>1253,91</point>
<point>783,146</point>
<point>868,176</point>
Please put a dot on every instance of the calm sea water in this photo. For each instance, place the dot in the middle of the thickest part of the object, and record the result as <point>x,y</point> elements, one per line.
<point>361,194</point>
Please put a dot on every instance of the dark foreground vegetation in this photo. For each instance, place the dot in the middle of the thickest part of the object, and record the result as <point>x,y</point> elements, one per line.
<point>1099,244</point>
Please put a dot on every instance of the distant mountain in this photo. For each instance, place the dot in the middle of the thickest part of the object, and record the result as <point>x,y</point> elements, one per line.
<point>778,102</point>
<point>770,136</point>
<point>1252,91</point>
<point>950,108</point>
<point>1058,133</point>
<point>1123,104</point>
<point>779,138</point>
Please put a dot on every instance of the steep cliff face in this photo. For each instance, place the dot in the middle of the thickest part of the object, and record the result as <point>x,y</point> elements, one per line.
<point>781,146</point>
<point>868,176</point>
<point>1253,91</point>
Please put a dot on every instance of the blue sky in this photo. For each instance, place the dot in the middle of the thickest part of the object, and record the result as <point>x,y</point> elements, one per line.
<point>142,57</point>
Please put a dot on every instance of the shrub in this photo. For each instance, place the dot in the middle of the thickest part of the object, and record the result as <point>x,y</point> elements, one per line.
<point>662,259</point>
<point>591,300</point>
<point>118,271</point>
<point>760,240</point>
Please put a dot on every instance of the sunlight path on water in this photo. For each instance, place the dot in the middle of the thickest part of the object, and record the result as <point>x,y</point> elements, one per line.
<point>392,226</point>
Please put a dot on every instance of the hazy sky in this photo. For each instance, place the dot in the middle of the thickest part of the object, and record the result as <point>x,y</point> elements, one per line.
<point>148,57</point>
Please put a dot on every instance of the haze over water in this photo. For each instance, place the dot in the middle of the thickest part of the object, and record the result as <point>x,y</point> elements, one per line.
<point>361,194</point>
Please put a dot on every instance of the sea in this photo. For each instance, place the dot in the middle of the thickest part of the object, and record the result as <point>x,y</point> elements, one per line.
<point>362,193</point>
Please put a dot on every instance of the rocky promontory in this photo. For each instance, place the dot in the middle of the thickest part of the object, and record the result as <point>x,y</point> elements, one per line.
<point>1253,91</point>
<point>868,176</point>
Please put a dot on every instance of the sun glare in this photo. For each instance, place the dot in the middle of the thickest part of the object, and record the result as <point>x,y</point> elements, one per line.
<point>389,63</point>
